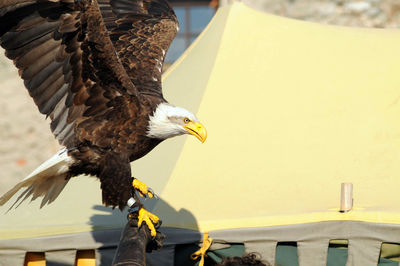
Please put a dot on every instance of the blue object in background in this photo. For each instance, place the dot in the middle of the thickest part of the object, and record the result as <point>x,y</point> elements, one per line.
<point>192,20</point>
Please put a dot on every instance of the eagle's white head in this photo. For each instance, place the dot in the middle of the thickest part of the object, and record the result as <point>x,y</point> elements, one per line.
<point>169,121</point>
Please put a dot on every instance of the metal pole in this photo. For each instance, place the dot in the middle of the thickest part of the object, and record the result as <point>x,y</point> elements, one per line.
<point>346,197</point>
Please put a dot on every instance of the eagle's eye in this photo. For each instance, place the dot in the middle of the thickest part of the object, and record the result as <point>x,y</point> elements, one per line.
<point>186,120</point>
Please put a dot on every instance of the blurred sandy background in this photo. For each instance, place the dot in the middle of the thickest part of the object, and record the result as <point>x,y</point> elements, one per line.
<point>25,137</point>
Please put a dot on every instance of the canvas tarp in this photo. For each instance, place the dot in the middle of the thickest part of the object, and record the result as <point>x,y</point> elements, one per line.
<point>293,109</point>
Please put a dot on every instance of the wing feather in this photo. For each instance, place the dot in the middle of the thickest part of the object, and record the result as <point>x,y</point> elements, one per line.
<point>141,32</point>
<point>39,65</point>
<point>63,52</point>
<point>36,91</point>
<point>53,97</point>
<point>39,51</point>
<point>20,51</point>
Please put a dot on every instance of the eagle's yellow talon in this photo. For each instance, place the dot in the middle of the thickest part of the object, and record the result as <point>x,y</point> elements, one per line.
<point>150,219</point>
<point>142,188</point>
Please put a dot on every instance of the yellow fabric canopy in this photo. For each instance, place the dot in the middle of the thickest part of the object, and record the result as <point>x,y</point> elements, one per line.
<point>293,109</point>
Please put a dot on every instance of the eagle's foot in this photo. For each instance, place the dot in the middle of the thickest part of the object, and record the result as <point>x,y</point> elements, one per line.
<point>142,188</point>
<point>150,219</point>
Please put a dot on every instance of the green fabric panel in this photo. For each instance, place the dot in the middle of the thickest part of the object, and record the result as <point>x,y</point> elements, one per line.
<point>286,254</point>
<point>337,256</point>
<point>386,262</point>
<point>235,250</point>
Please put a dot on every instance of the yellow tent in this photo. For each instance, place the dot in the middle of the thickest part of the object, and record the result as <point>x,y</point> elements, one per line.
<point>293,109</point>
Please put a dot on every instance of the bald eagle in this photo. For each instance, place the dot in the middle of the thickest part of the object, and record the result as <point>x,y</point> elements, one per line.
<point>94,67</point>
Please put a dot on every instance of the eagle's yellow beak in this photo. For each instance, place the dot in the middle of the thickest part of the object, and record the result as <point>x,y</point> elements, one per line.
<point>197,130</point>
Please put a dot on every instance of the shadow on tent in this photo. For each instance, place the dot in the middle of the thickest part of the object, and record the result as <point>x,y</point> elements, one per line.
<point>109,239</point>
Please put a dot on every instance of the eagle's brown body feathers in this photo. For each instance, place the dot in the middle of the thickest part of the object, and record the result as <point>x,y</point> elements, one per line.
<point>95,70</point>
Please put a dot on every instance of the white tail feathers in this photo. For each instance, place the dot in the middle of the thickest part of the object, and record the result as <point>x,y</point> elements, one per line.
<point>47,180</point>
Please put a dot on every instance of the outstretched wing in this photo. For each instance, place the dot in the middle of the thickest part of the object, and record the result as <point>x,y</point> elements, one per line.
<point>68,63</point>
<point>141,31</point>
